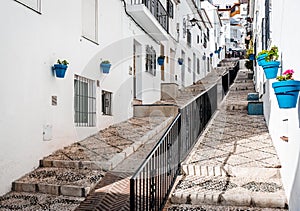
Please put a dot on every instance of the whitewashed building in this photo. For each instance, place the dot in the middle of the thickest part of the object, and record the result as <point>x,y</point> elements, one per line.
<point>272,26</point>
<point>42,113</point>
<point>233,15</point>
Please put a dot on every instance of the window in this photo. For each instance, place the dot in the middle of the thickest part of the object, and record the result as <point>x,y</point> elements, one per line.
<point>150,60</point>
<point>170,9</point>
<point>34,5</point>
<point>106,103</point>
<point>198,66</point>
<point>198,39</point>
<point>189,38</point>
<point>189,64</point>
<point>90,20</point>
<point>84,102</point>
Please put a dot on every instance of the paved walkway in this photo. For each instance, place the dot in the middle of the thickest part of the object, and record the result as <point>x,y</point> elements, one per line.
<point>234,163</point>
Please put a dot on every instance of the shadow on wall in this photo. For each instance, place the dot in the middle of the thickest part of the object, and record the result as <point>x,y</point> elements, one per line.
<point>295,192</point>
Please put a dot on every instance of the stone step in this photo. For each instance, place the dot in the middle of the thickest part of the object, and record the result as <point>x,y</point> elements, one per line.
<point>29,201</point>
<point>109,147</point>
<point>230,191</point>
<point>59,181</point>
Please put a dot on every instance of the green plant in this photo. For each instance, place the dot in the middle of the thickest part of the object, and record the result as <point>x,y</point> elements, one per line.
<point>262,52</point>
<point>161,57</point>
<point>64,62</point>
<point>105,62</point>
<point>272,54</point>
<point>249,64</point>
<point>287,75</point>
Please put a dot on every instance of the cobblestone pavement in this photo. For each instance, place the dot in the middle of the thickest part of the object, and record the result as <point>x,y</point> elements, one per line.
<point>234,163</point>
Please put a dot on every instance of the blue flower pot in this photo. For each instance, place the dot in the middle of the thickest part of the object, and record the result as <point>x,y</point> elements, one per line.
<point>261,59</point>
<point>180,61</point>
<point>251,57</point>
<point>160,60</point>
<point>105,68</point>
<point>271,69</point>
<point>286,93</point>
<point>60,70</point>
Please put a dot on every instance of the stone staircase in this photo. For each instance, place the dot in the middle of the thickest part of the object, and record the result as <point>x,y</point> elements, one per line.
<point>234,165</point>
<point>66,177</point>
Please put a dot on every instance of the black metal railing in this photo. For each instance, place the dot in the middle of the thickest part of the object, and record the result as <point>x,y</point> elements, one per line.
<point>157,10</point>
<point>194,118</point>
<point>151,184</point>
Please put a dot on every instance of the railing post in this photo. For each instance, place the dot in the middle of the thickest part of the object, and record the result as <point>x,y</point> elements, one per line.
<point>132,195</point>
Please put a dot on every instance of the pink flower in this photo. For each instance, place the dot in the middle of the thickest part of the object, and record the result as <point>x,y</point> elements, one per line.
<point>290,72</point>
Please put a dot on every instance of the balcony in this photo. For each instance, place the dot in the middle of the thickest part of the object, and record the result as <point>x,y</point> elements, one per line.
<point>152,16</point>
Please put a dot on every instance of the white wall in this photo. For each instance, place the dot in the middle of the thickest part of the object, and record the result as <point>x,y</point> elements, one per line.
<point>32,43</point>
<point>283,35</point>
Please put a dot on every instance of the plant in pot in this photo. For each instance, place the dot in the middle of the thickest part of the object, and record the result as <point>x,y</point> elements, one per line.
<point>60,68</point>
<point>260,58</point>
<point>180,61</point>
<point>105,66</point>
<point>160,60</point>
<point>271,65</point>
<point>250,54</point>
<point>286,90</point>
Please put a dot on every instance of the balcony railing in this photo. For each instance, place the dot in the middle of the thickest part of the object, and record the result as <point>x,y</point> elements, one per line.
<point>157,10</point>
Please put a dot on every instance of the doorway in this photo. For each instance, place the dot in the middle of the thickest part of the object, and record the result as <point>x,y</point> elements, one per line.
<point>137,70</point>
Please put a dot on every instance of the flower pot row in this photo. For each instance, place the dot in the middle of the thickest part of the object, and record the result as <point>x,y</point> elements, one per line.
<point>286,88</point>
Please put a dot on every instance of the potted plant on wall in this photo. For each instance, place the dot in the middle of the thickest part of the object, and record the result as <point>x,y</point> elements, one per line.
<point>60,68</point>
<point>105,66</point>
<point>250,54</point>
<point>180,61</point>
<point>271,65</point>
<point>260,58</point>
<point>286,90</point>
<point>160,60</point>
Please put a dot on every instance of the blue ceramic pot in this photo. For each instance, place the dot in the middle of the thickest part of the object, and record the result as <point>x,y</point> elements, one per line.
<point>60,70</point>
<point>105,67</point>
<point>251,57</point>
<point>271,69</point>
<point>261,59</point>
<point>286,93</point>
<point>160,60</point>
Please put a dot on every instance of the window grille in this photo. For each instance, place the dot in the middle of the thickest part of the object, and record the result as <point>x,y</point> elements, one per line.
<point>84,102</point>
<point>150,60</point>
<point>106,103</point>
<point>34,5</point>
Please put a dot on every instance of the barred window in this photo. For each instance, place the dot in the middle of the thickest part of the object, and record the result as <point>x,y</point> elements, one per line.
<point>34,5</point>
<point>84,102</point>
<point>150,60</point>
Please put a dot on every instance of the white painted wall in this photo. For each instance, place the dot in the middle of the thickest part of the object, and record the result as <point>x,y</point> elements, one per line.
<point>283,35</point>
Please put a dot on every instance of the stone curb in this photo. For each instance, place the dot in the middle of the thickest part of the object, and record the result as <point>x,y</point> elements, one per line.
<point>65,190</point>
<point>238,198</point>
<point>196,170</point>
